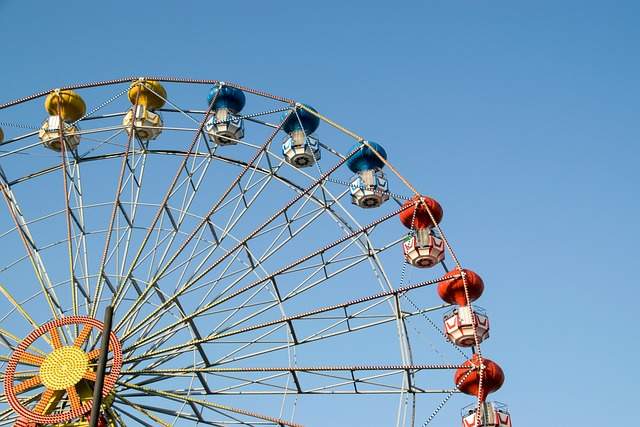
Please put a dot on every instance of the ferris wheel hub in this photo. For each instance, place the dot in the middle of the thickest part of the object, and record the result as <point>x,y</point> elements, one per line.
<point>65,370</point>
<point>64,367</point>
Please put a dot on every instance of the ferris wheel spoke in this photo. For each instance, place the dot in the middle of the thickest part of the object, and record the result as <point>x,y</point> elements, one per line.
<point>129,209</point>
<point>143,411</point>
<point>322,265</point>
<point>258,262</point>
<point>168,331</point>
<point>75,223</point>
<point>356,379</point>
<point>17,306</point>
<point>191,324</point>
<point>175,224</point>
<point>162,208</point>
<point>205,220</point>
<point>302,369</point>
<point>207,404</point>
<point>175,351</point>
<point>344,318</point>
<point>383,280</point>
<point>161,295</point>
<point>231,421</point>
<point>149,410</point>
<point>115,416</point>
<point>81,256</point>
<point>128,414</point>
<point>222,299</point>
<point>8,415</point>
<point>117,207</point>
<point>306,284</point>
<point>28,384</point>
<point>190,186</point>
<point>194,333</point>
<point>75,214</point>
<point>226,232</point>
<point>291,228</point>
<point>239,245</point>
<point>241,205</point>
<point>184,265</point>
<point>331,331</point>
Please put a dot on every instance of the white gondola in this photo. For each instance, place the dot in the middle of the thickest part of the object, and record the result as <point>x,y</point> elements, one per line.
<point>458,325</point>
<point>423,249</point>
<point>49,134</point>
<point>224,128</point>
<point>370,189</point>
<point>301,150</point>
<point>491,414</point>
<point>146,124</point>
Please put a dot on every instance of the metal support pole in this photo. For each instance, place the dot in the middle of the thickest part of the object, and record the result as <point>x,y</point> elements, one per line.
<point>102,364</point>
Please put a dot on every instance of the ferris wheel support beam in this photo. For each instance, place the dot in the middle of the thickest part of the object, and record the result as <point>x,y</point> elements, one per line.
<point>101,367</point>
<point>175,414</point>
<point>374,381</point>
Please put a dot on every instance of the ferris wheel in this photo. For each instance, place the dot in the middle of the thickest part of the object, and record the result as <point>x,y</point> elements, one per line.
<point>195,252</point>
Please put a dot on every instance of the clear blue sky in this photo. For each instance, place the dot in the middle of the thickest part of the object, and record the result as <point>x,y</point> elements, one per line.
<point>520,117</point>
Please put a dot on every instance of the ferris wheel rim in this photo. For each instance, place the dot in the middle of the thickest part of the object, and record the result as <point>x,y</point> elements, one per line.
<point>291,104</point>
